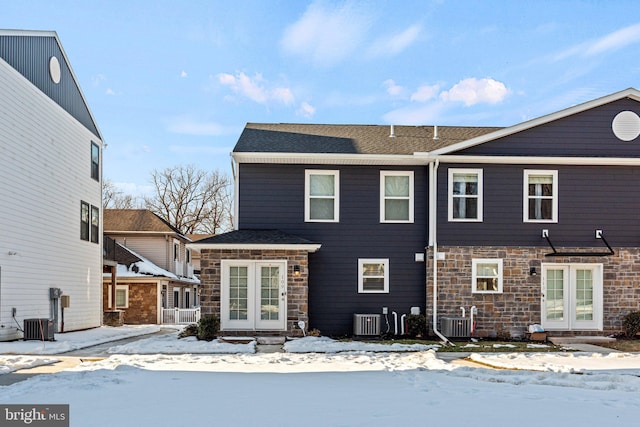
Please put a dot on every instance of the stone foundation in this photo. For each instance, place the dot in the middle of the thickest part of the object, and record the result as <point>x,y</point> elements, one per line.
<point>509,313</point>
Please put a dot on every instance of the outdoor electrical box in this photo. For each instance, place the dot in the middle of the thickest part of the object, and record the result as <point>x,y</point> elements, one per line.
<point>65,301</point>
<point>55,293</point>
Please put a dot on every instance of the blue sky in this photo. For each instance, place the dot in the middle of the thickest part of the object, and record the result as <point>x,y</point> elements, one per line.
<point>174,82</point>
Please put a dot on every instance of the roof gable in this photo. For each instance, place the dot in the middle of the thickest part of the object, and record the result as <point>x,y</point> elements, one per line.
<point>627,94</point>
<point>136,220</point>
<point>30,53</point>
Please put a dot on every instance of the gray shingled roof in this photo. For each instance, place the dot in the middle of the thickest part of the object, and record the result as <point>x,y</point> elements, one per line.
<point>255,237</point>
<point>350,139</point>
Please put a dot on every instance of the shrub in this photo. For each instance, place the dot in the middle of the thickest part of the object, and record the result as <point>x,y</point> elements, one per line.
<point>416,325</point>
<point>189,331</point>
<point>208,327</point>
<point>631,324</point>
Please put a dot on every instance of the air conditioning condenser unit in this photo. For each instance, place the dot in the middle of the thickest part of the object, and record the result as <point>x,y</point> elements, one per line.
<point>366,324</point>
<point>38,329</point>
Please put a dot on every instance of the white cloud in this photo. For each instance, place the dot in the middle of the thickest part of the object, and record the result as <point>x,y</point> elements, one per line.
<point>283,95</point>
<point>396,43</point>
<point>109,91</point>
<point>425,93</point>
<point>613,41</point>
<point>616,40</point>
<point>327,34</point>
<point>306,110</point>
<point>472,91</point>
<point>255,88</point>
<point>183,74</point>
<point>189,126</point>
<point>392,88</point>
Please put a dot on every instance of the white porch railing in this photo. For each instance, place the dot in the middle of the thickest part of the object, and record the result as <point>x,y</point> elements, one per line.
<point>180,316</point>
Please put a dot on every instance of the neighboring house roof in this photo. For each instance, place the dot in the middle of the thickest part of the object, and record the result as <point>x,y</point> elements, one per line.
<point>131,264</point>
<point>256,239</point>
<point>351,139</point>
<point>136,221</point>
<point>32,53</point>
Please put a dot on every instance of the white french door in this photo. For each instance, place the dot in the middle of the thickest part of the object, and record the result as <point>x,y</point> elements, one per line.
<point>253,295</point>
<point>572,297</point>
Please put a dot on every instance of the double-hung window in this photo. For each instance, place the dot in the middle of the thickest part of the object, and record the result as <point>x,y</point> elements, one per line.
<point>89,222</point>
<point>95,224</point>
<point>396,196</point>
<point>84,221</point>
<point>540,196</point>
<point>486,276</point>
<point>95,161</point>
<point>465,195</point>
<point>373,276</point>
<point>322,195</point>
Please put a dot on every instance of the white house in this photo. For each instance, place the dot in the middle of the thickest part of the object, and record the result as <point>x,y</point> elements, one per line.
<point>50,190</point>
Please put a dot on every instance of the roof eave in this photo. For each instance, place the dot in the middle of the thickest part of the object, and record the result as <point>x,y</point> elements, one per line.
<point>328,158</point>
<point>310,247</point>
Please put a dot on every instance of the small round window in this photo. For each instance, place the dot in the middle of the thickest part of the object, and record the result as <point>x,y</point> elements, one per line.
<point>54,69</point>
<point>626,125</point>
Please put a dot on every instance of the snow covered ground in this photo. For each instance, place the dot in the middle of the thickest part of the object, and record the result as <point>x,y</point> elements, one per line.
<point>363,386</point>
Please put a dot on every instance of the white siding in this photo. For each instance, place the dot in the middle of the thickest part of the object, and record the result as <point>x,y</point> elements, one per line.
<point>154,248</point>
<point>44,174</point>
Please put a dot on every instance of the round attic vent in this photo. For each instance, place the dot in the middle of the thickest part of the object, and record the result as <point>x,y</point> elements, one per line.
<point>54,69</point>
<point>626,125</point>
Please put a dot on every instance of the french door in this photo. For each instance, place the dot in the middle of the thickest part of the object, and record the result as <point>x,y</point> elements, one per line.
<point>572,297</point>
<point>253,295</point>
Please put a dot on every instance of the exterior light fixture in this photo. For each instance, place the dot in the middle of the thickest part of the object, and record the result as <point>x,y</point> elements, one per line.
<point>532,271</point>
<point>296,270</point>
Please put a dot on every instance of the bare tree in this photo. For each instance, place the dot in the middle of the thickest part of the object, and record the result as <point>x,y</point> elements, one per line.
<point>112,198</point>
<point>191,199</point>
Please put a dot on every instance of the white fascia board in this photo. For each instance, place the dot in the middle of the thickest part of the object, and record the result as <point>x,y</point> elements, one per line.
<point>627,93</point>
<point>247,246</point>
<point>329,158</point>
<point>539,160</point>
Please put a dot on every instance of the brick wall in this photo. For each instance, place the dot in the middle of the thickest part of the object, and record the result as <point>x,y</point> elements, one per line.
<point>297,286</point>
<point>510,312</point>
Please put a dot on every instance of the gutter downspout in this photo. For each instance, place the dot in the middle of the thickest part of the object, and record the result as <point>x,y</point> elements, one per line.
<point>433,222</point>
<point>236,191</point>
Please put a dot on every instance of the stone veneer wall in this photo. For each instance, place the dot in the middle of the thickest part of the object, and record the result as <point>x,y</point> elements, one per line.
<point>510,313</point>
<point>143,303</point>
<point>297,287</point>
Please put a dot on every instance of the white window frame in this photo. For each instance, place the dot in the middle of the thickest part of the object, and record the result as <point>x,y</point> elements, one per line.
<point>124,288</point>
<point>525,200</point>
<point>479,196</point>
<point>475,277</point>
<point>383,197</point>
<point>361,263</point>
<point>308,197</point>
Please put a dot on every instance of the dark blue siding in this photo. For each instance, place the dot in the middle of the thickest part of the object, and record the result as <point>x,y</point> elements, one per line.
<point>272,196</point>
<point>589,198</point>
<point>30,55</point>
